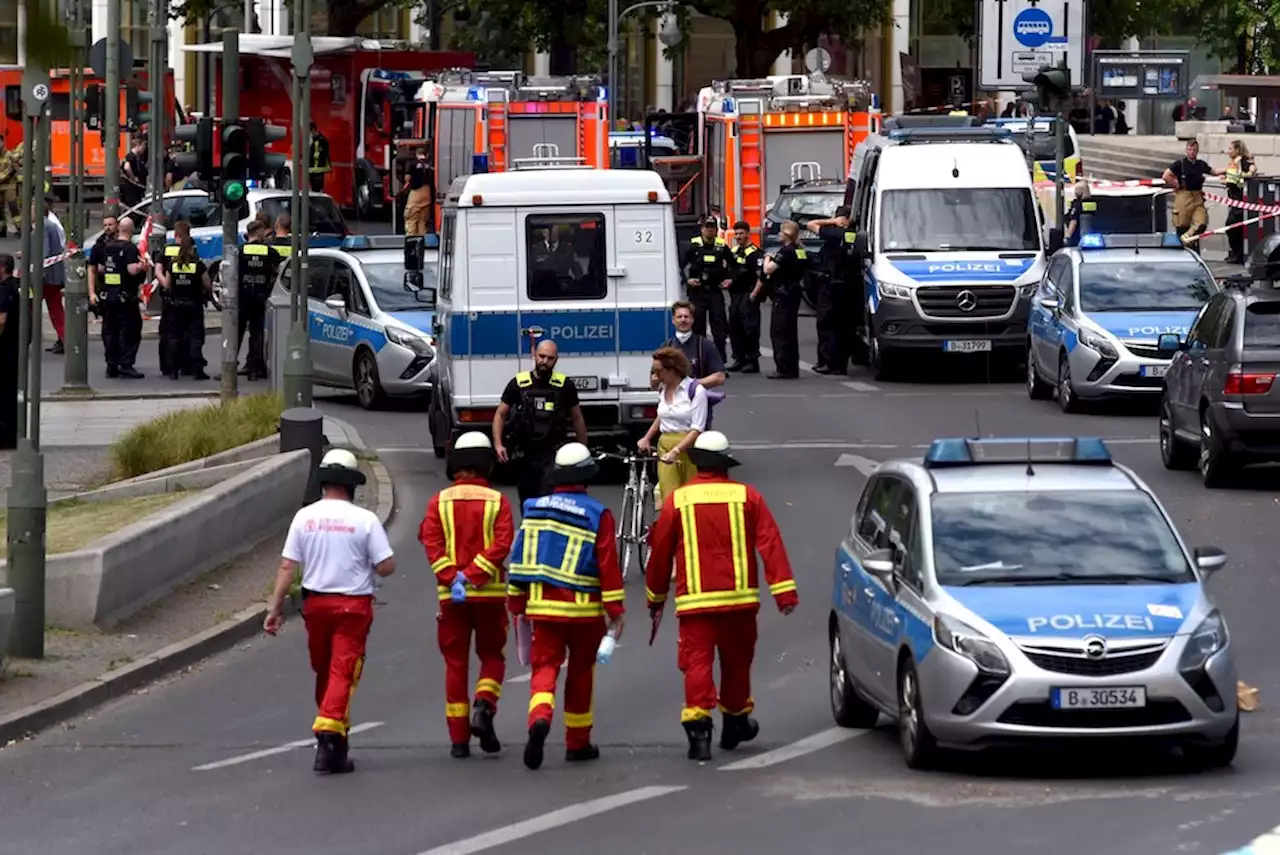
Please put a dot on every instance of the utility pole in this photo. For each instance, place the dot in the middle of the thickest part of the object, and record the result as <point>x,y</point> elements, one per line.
<point>111,109</point>
<point>1059,167</point>
<point>297,362</point>
<point>159,125</point>
<point>28,500</point>
<point>75,378</point>
<point>229,272</point>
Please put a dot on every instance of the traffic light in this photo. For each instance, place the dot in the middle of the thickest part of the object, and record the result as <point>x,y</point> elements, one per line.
<point>138,107</point>
<point>1053,86</point>
<point>200,159</point>
<point>262,163</point>
<point>234,174</point>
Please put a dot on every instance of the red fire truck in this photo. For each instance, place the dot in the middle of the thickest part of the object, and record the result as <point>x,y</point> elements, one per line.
<point>362,100</point>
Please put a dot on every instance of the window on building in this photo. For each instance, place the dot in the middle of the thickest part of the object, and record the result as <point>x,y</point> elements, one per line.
<point>387,23</point>
<point>8,32</point>
<point>135,26</point>
<point>566,257</point>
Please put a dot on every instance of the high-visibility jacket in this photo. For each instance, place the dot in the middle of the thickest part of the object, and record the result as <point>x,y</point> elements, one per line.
<point>565,562</point>
<point>468,529</point>
<point>712,528</point>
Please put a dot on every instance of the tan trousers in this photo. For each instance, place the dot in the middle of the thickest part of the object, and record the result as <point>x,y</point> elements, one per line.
<point>1189,214</point>
<point>417,211</point>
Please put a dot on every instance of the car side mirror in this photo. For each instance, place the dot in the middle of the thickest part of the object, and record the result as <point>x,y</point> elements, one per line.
<point>1210,558</point>
<point>1056,240</point>
<point>426,296</point>
<point>336,303</point>
<point>1051,304</point>
<point>880,564</point>
<point>1169,343</point>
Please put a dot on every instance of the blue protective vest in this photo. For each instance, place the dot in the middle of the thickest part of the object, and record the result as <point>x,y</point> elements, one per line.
<point>556,544</point>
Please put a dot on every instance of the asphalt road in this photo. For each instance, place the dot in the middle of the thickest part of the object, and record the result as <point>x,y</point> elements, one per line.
<point>189,766</point>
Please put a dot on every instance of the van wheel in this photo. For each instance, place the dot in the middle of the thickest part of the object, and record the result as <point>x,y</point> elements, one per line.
<point>367,382</point>
<point>880,368</point>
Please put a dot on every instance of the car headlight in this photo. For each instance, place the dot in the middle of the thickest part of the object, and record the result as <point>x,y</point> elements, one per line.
<point>1096,342</point>
<point>892,291</point>
<point>1210,637</point>
<point>418,344</point>
<point>958,637</point>
<point>1028,289</point>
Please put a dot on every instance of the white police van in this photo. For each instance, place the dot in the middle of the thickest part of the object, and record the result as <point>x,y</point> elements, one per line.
<point>951,240</point>
<point>586,258</point>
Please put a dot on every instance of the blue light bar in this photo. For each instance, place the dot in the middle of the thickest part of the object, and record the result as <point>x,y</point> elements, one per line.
<point>479,164</point>
<point>431,241</point>
<point>1092,241</point>
<point>1083,450</point>
<point>1160,240</point>
<point>356,242</point>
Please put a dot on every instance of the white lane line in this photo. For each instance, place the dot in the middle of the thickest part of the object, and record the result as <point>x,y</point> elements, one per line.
<point>281,749</point>
<point>808,745</point>
<point>777,395</point>
<point>865,465</point>
<point>859,386</point>
<point>555,819</point>
<point>520,678</point>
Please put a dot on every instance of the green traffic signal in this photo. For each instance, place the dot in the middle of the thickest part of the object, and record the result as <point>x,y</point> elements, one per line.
<point>233,191</point>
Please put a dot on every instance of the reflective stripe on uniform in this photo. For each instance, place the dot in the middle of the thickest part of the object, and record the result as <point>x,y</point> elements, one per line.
<point>492,499</point>
<point>582,606</point>
<point>542,699</point>
<point>256,249</point>
<point>456,710</point>
<point>734,498</point>
<point>487,684</point>
<point>579,719</point>
<point>113,278</point>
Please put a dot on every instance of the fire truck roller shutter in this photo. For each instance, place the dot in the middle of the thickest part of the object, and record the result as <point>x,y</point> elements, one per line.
<point>526,131</point>
<point>456,143</point>
<point>715,171</point>
<point>783,148</point>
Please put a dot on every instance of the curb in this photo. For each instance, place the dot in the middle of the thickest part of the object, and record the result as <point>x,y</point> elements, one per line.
<point>144,395</point>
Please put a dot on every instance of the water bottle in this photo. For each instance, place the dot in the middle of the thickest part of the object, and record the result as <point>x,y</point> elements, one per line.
<point>459,592</point>
<point>605,651</point>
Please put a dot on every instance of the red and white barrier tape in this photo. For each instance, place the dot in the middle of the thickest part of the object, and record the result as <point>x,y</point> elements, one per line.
<point>1256,207</point>
<point>55,259</point>
<point>1241,224</point>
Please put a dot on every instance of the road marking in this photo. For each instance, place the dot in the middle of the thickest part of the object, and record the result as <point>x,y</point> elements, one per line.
<point>858,386</point>
<point>808,745</point>
<point>520,678</point>
<point>282,749</point>
<point>555,819</point>
<point>777,395</point>
<point>865,465</point>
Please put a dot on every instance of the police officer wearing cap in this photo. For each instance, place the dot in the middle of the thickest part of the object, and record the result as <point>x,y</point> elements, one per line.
<point>784,273</point>
<point>708,267</point>
<point>341,549</point>
<point>467,532</point>
<point>115,272</point>
<point>258,265</point>
<point>744,312</point>
<point>839,316</point>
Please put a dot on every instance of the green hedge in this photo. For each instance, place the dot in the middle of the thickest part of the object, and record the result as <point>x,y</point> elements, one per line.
<point>187,435</point>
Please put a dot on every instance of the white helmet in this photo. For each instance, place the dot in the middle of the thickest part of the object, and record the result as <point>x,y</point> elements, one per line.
<point>472,439</point>
<point>574,464</point>
<point>471,450</point>
<point>340,466</point>
<point>711,450</point>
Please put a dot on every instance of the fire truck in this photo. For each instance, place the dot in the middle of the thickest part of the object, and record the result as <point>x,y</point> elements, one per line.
<point>362,100</point>
<point>488,121</point>
<point>752,132</point>
<point>134,110</point>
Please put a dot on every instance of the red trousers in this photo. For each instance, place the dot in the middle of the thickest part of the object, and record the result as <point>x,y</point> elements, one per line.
<point>337,629</point>
<point>455,623</point>
<point>552,639</point>
<point>57,314</point>
<point>733,634</point>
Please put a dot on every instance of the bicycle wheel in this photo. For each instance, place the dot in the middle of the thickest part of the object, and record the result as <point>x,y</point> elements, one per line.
<point>645,516</point>
<point>624,533</point>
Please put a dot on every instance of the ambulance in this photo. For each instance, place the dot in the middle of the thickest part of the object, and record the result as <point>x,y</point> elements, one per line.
<point>752,132</point>
<point>583,257</point>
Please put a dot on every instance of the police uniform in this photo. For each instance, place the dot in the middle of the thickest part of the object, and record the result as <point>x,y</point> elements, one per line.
<point>258,265</point>
<point>282,244</point>
<point>1081,213</point>
<point>540,422</point>
<point>117,294</point>
<point>709,264</point>
<point>838,318</point>
<point>744,313</point>
<point>786,284</point>
<point>185,300</point>
<point>1237,170</point>
<point>168,319</point>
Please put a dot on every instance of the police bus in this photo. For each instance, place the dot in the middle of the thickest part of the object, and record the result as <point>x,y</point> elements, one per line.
<point>586,258</point>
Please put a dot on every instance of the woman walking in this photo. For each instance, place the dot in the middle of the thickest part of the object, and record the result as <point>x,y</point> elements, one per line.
<point>682,415</point>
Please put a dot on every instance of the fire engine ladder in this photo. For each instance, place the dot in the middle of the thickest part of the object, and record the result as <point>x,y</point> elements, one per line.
<point>806,170</point>
<point>496,128</point>
<point>547,156</point>
<point>750,194</point>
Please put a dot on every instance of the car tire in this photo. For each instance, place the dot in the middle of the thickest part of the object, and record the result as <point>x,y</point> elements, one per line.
<point>1037,389</point>
<point>881,369</point>
<point>1068,401</point>
<point>215,293</point>
<point>919,748</point>
<point>1219,756</point>
<point>847,706</point>
<point>1215,463</point>
<point>1174,453</point>
<point>367,382</point>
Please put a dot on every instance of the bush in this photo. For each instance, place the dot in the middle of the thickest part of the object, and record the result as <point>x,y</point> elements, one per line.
<point>187,435</point>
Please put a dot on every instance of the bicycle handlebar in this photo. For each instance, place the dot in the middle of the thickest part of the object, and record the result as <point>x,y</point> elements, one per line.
<point>630,457</point>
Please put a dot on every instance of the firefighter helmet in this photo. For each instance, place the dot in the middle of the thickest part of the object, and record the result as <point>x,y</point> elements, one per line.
<point>574,464</point>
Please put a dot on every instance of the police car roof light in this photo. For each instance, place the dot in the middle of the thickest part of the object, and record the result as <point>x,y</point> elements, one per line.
<point>1092,241</point>
<point>356,242</point>
<point>1159,240</point>
<point>944,134</point>
<point>1084,450</point>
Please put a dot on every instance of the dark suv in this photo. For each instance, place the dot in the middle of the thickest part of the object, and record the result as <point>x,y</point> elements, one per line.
<point>1221,404</point>
<point>804,201</point>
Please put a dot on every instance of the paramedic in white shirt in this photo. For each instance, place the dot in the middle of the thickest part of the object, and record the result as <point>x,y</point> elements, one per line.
<point>340,547</point>
<point>682,415</point>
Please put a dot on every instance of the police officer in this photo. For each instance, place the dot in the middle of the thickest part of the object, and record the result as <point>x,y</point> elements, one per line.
<point>840,304</point>
<point>708,268</point>
<point>537,410</point>
<point>184,280</point>
<point>784,273</point>
<point>115,271</point>
<point>1240,168</point>
<point>744,312</point>
<point>258,265</point>
<point>1078,219</point>
<point>282,240</point>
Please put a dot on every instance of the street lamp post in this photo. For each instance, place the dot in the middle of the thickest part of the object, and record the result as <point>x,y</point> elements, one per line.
<point>669,36</point>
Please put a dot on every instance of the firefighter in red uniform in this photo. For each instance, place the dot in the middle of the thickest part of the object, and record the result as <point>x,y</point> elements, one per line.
<point>467,532</point>
<point>712,528</point>
<point>565,578</point>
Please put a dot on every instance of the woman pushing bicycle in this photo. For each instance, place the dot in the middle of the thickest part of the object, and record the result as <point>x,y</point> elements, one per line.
<point>682,415</point>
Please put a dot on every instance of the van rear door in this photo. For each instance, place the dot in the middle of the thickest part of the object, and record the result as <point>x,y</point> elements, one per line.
<point>644,260</point>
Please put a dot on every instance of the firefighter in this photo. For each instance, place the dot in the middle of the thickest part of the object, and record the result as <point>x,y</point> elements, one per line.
<point>566,579</point>
<point>258,265</point>
<point>467,533</point>
<point>318,163</point>
<point>419,208</point>
<point>115,268</point>
<point>712,528</point>
<point>1187,176</point>
<point>10,175</point>
<point>784,273</point>
<point>708,269</point>
<point>340,548</point>
<point>184,281</point>
<point>744,313</point>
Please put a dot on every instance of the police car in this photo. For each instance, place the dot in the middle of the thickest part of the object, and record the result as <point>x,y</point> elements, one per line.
<point>1100,310</point>
<point>1013,591</point>
<point>368,331</point>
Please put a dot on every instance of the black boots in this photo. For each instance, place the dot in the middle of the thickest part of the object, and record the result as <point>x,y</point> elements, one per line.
<point>537,739</point>
<point>578,755</point>
<point>331,755</point>
<point>460,751</point>
<point>482,727</point>
<point>738,729</point>
<point>699,733</point>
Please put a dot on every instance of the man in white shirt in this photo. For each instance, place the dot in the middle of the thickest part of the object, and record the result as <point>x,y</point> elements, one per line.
<point>340,547</point>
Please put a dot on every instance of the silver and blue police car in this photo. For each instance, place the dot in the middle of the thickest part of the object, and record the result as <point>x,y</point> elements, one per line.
<point>1006,591</point>
<point>370,332</point>
<point>1100,310</point>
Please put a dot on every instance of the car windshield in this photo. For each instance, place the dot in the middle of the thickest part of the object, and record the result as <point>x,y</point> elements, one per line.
<point>325,218</point>
<point>973,219</point>
<point>1085,537</point>
<point>803,207</point>
<point>1262,325</point>
<point>387,283</point>
<point>1138,286</point>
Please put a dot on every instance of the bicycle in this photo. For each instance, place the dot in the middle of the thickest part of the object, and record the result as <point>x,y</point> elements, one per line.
<point>637,515</point>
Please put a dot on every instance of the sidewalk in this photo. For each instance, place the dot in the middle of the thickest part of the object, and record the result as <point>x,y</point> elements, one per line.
<point>150,325</point>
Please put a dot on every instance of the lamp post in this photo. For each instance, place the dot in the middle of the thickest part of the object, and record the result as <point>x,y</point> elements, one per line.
<point>669,35</point>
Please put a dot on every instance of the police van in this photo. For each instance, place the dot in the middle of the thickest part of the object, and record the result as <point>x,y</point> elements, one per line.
<point>951,240</point>
<point>585,258</point>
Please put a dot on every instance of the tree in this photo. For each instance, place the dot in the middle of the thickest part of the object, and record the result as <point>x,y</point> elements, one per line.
<point>571,31</point>
<point>1243,33</point>
<point>48,43</point>
<point>336,17</point>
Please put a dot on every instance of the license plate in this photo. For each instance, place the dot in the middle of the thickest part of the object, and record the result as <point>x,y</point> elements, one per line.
<point>971,345</point>
<point>1123,698</point>
<point>586,384</point>
<point>1155,370</point>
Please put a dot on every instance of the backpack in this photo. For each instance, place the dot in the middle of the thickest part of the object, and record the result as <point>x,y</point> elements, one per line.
<point>714,396</point>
